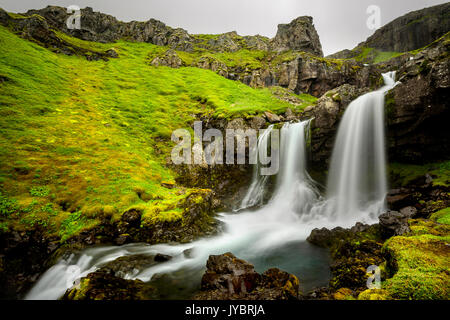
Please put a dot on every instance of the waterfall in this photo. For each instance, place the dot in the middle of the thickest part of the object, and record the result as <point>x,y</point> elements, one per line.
<point>357,184</point>
<point>257,189</point>
<point>249,234</point>
<point>356,192</point>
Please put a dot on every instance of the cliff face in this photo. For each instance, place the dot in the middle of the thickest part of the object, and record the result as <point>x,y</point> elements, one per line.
<point>413,30</point>
<point>299,35</point>
<point>418,110</point>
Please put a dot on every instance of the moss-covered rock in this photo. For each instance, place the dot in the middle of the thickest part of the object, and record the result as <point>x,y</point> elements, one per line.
<point>105,286</point>
<point>419,263</point>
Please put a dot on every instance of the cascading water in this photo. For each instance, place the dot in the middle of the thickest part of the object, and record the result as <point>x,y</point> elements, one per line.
<point>275,232</point>
<point>257,190</point>
<point>273,235</point>
<point>357,184</point>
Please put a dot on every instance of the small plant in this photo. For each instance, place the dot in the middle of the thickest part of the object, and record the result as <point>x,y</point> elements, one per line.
<point>7,206</point>
<point>39,191</point>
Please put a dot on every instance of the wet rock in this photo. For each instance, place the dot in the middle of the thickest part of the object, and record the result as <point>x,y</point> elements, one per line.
<point>228,277</point>
<point>102,285</point>
<point>400,198</point>
<point>129,265</point>
<point>162,257</point>
<point>394,223</point>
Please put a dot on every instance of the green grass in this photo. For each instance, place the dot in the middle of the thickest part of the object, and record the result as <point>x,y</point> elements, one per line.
<point>94,132</point>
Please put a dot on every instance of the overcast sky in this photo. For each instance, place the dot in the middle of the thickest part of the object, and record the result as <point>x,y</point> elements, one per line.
<point>341,24</point>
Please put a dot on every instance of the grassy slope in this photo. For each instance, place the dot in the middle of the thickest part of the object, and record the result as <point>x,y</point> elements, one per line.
<point>80,139</point>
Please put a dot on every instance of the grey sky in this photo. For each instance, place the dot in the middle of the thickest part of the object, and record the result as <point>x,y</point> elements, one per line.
<point>341,23</point>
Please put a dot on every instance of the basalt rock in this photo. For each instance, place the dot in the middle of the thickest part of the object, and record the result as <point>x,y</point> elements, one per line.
<point>394,223</point>
<point>230,278</point>
<point>327,114</point>
<point>417,108</point>
<point>299,35</point>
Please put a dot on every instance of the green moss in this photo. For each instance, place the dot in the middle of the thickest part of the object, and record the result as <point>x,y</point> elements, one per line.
<point>403,174</point>
<point>39,191</point>
<point>442,216</point>
<point>419,263</point>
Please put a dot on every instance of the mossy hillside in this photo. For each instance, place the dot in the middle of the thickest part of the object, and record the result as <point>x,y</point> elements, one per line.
<point>403,174</point>
<point>419,262</point>
<point>78,137</point>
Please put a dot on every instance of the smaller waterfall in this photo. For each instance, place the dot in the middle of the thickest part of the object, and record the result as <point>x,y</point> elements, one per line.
<point>257,189</point>
<point>357,184</point>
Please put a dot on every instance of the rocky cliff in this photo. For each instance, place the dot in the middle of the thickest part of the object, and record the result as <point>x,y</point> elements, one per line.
<point>412,31</point>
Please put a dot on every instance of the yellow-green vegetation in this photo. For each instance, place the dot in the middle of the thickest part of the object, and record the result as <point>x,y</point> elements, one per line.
<point>403,174</point>
<point>81,140</point>
<point>421,260</point>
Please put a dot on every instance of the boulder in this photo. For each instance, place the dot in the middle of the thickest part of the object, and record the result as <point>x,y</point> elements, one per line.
<point>230,278</point>
<point>394,223</point>
<point>102,285</point>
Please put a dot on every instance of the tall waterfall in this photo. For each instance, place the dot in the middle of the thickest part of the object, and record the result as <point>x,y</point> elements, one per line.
<point>357,183</point>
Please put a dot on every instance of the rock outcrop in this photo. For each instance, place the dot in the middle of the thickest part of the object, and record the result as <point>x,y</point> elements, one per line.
<point>230,278</point>
<point>299,35</point>
<point>104,285</point>
<point>417,108</point>
<point>412,31</point>
<point>37,29</point>
<point>327,114</point>
<point>393,223</point>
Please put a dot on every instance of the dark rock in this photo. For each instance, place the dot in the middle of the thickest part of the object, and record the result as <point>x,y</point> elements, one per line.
<point>102,285</point>
<point>400,198</point>
<point>417,108</point>
<point>132,218</point>
<point>128,265</point>
<point>412,31</point>
<point>394,223</point>
<point>162,257</point>
<point>230,278</point>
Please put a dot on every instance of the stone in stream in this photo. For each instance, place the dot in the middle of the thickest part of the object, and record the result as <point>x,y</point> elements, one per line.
<point>230,278</point>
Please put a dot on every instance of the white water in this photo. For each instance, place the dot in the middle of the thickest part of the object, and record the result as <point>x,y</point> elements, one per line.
<point>257,189</point>
<point>357,184</point>
<point>294,210</point>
